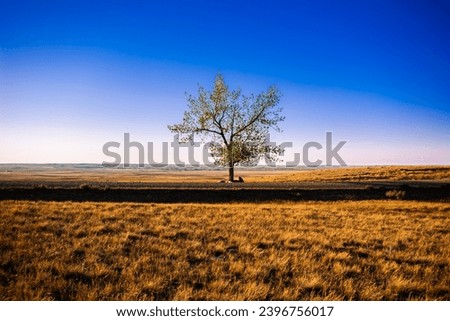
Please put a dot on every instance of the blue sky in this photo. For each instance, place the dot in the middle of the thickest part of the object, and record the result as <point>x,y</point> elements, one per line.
<point>75,75</point>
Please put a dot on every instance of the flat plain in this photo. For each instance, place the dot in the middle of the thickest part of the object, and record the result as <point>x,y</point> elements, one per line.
<point>392,248</point>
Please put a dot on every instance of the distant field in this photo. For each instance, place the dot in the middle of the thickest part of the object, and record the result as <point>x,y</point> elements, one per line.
<point>346,250</point>
<point>342,174</point>
<point>47,183</point>
<point>374,173</point>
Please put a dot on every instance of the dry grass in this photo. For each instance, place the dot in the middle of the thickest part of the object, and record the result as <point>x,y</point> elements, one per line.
<point>374,173</point>
<point>377,250</point>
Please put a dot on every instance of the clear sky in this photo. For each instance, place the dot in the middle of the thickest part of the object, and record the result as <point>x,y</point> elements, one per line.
<point>77,74</point>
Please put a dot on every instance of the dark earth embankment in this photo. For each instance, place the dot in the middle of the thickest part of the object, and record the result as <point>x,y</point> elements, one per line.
<point>222,193</point>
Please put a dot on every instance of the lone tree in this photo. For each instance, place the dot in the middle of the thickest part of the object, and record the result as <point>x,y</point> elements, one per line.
<point>236,126</point>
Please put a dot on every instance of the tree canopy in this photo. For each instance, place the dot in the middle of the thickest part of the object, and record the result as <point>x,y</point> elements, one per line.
<point>235,126</point>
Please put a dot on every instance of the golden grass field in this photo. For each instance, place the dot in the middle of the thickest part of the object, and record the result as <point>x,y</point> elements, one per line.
<point>342,174</point>
<point>346,250</point>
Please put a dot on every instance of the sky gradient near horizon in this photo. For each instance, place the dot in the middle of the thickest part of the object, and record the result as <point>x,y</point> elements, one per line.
<point>77,74</point>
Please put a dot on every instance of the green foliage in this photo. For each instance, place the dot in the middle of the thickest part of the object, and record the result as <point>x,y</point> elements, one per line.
<point>236,126</point>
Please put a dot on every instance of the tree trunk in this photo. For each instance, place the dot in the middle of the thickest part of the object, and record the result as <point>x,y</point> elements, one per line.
<point>231,172</point>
